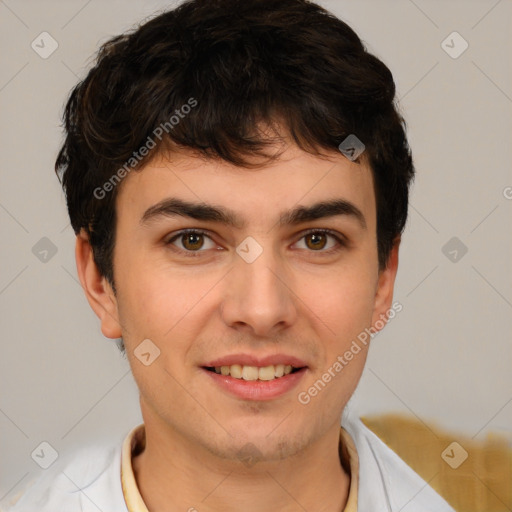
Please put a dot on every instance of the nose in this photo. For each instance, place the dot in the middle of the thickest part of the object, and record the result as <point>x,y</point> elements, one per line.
<point>259,298</point>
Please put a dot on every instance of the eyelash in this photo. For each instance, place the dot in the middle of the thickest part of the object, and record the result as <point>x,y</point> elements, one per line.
<point>194,254</point>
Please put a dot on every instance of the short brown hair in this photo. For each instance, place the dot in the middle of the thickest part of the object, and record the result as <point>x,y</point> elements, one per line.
<point>243,62</point>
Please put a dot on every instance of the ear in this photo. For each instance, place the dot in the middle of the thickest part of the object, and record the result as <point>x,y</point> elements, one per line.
<point>385,288</point>
<point>98,291</point>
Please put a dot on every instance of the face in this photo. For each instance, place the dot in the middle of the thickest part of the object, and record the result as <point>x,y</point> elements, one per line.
<point>267,279</point>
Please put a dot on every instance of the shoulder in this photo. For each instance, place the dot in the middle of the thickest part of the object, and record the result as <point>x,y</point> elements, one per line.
<point>384,478</point>
<point>86,480</point>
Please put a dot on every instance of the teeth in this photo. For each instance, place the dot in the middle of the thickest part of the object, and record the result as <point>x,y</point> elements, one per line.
<point>266,373</point>
<point>235,370</point>
<point>250,373</point>
<point>270,372</point>
<point>279,370</point>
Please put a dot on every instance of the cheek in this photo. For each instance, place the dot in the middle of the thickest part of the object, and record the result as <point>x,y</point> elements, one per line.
<point>341,307</point>
<point>164,304</point>
<point>342,302</point>
<point>145,285</point>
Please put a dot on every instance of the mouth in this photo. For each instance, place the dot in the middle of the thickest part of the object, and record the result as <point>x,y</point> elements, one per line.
<point>261,382</point>
<point>256,377</point>
<point>255,373</point>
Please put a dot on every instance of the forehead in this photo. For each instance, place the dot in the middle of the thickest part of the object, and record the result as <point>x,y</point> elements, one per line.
<point>259,194</point>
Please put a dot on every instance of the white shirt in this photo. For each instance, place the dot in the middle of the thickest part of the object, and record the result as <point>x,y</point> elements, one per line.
<point>91,480</point>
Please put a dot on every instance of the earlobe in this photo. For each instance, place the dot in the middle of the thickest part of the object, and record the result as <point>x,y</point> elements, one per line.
<point>97,290</point>
<point>385,288</point>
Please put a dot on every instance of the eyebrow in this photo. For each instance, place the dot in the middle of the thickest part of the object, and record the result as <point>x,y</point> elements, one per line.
<point>172,207</point>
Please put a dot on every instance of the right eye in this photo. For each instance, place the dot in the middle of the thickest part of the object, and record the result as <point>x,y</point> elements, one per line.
<point>191,241</point>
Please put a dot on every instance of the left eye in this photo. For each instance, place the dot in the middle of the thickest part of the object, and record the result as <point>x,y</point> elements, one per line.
<point>317,241</point>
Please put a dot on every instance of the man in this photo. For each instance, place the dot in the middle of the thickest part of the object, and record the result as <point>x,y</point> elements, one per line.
<point>237,176</point>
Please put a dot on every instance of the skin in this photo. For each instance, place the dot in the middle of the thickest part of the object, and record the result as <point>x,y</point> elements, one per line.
<point>294,299</point>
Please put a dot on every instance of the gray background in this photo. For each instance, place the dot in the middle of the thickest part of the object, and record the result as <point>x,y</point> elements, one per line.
<point>446,358</point>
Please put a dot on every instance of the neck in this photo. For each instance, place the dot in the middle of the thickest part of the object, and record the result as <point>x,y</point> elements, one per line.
<point>174,474</point>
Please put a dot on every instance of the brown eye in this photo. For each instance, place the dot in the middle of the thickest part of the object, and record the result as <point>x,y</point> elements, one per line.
<point>321,241</point>
<point>316,241</point>
<point>192,241</point>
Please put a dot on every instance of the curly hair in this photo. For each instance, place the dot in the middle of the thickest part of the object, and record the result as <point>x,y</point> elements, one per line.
<point>240,64</point>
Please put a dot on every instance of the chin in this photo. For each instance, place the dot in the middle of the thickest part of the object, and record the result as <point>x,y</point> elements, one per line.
<point>264,440</point>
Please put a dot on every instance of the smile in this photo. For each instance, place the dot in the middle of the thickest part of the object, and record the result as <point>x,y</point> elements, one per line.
<point>251,373</point>
<point>249,382</point>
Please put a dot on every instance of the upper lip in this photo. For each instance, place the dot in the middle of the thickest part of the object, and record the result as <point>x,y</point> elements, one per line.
<point>253,360</point>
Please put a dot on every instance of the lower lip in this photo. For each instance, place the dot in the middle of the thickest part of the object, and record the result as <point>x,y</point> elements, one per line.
<point>257,389</point>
